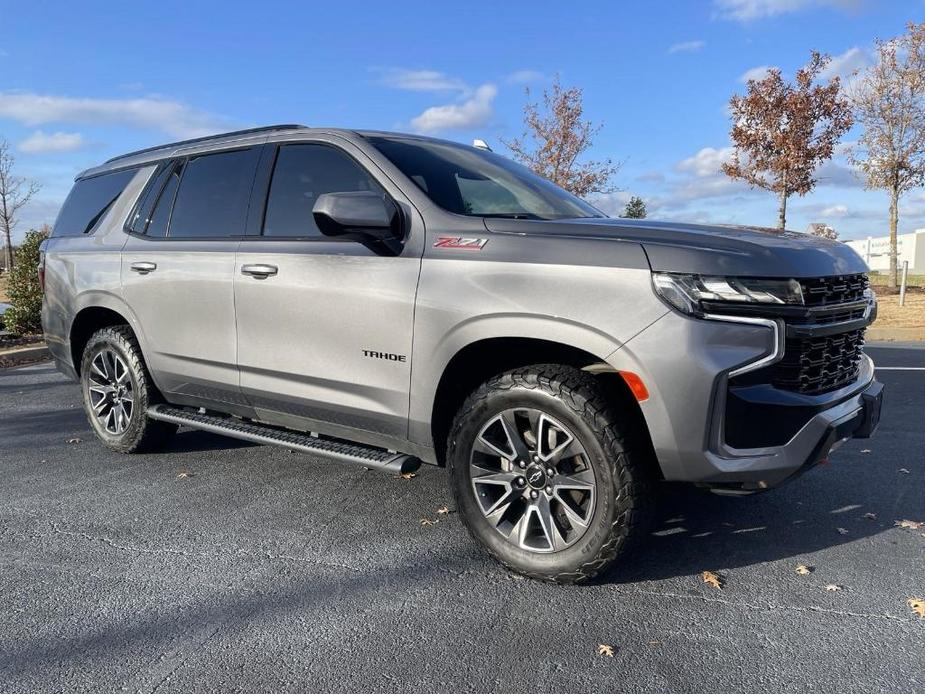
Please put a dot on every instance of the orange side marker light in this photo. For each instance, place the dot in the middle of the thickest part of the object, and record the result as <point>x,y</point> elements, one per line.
<point>637,387</point>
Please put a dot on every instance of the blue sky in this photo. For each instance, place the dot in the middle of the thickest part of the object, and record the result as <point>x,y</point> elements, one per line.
<point>80,82</point>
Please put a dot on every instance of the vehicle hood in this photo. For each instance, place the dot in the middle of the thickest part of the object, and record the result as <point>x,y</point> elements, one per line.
<point>703,249</point>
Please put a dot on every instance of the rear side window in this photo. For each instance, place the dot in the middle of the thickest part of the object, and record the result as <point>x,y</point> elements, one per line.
<point>160,216</point>
<point>88,201</point>
<point>301,174</point>
<point>213,195</point>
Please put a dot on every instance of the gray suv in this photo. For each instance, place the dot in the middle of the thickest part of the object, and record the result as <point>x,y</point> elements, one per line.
<point>387,299</point>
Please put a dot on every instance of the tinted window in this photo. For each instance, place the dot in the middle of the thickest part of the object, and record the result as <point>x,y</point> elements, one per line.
<point>471,181</point>
<point>301,174</point>
<point>213,195</point>
<point>157,226</point>
<point>142,214</point>
<point>88,201</point>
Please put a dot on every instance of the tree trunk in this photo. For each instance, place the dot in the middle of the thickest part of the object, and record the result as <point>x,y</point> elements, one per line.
<point>782,211</point>
<point>894,222</point>
<point>8,248</point>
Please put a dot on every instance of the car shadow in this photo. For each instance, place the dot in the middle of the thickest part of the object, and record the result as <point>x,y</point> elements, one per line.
<point>697,531</point>
<point>192,441</point>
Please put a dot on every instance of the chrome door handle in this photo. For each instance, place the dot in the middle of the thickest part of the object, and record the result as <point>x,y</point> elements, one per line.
<point>259,270</point>
<point>143,268</point>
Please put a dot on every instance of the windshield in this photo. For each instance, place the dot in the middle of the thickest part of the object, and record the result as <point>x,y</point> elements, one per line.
<point>478,183</point>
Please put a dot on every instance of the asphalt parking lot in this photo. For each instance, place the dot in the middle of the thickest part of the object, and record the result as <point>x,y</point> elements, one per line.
<point>218,565</point>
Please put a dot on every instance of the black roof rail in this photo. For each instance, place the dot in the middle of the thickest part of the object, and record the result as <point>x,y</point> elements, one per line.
<point>248,131</point>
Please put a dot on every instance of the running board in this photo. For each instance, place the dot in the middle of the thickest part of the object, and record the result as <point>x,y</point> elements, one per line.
<point>345,451</point>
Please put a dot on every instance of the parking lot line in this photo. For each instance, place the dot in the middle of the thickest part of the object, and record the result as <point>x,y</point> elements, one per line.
<point>900,368</point>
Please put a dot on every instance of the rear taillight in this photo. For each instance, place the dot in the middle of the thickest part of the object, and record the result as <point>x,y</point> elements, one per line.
<point>41,269</point>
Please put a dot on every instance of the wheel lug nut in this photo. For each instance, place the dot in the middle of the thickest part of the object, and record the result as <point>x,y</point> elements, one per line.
<point>536,459</point>
<point>521,481</point>
<point>550,472</point>
<point>522,465</point>
<point>534,494</point>
<point>549,491</point>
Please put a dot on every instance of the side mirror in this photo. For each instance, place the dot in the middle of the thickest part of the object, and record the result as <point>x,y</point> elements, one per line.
<point>364,216</point>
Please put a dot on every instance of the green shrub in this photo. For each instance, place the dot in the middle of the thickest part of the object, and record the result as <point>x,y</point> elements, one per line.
<point>24,317</point>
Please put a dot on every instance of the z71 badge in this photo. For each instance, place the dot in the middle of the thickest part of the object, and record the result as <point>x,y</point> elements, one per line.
<point>462,243</point>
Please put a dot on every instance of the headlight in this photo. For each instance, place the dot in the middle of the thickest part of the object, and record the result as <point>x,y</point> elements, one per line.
<point>687,292</point>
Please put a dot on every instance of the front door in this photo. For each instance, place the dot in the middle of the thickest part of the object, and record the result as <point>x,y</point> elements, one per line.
<point>178,274</point>
<point>324,325</point>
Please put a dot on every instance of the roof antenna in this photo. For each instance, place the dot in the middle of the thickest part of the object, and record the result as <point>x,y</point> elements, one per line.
<point>481,144</point>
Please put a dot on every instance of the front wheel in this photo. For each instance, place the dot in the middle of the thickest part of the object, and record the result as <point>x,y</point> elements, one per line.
<point>117,391</point>
<point>543,476</point>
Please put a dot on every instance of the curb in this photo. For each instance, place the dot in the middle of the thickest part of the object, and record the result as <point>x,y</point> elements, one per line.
<point>895,334</point>
<point>24,355</point>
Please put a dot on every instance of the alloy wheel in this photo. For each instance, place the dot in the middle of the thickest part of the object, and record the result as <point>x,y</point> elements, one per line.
<point>533,480</point>
<point>110,391</point>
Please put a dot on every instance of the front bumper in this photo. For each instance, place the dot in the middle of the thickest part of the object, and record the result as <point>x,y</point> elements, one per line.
<point>738,471</point>
<point>687,365</point>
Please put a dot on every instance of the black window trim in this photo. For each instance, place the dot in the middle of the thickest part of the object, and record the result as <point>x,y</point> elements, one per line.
<point>183,160</point>
<point>264,195</point>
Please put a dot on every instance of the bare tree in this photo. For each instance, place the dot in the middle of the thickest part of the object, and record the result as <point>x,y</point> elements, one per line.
<point>14,193</point>
<point>556,138</point>
<point>889,101</point>
<point>783,131</point>
<point>822,230</point>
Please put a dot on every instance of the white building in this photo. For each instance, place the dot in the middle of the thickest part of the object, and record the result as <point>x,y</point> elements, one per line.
<point>875,250</point>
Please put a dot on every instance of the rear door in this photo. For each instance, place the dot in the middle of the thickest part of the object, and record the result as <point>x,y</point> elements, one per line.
<point>324,339</point>
<point>178,270</point>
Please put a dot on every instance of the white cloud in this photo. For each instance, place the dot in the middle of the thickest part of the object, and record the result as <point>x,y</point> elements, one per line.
<point>152,113</point>
<point>706,162</point>
<point>525,76</point>
<point>834,211</point>
<point>749,10</point>
<point>474,112</point>
<point>41,142</point>
<point>687,47</point>
<point>756,73</point>
<point>421,80</point>
<point>845,65</point>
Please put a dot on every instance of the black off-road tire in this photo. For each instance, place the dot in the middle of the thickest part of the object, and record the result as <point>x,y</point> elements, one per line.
<point>141,434</point>
<point>624,471</point>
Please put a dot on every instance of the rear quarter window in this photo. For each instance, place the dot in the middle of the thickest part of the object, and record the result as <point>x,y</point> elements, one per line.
<point>88,202</point>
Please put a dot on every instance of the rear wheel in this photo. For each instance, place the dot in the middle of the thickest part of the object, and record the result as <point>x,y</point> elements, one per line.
<point>543,476</point>
<point>117,391</point>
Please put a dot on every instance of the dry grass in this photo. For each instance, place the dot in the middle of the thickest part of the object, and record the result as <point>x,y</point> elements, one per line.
<point>4,299</point>
<point>891,315</point>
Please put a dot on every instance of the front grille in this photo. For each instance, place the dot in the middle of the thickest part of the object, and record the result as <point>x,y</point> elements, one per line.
<point>819,364</point>
<point>825,291</point>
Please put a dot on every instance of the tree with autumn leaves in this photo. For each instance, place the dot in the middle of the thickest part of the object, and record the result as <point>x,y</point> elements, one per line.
<point>556,140</point>
<point>889,102</point>
<point>782,131</point>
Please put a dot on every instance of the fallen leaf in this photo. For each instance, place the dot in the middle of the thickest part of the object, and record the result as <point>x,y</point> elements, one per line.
<point>870,516</point>
<point>804,570</point>
<point>711,579</point>
<point>74,440</point>
<point>911,525</point>
<point>443,510</point>
<point>406,476</point>
<point>604,649</point>
<point>904,471</point>
<point>428,521</point>
<point>865,450</point>
<point>184,475</point>
<point>917,605</point>
<point>833,587</point>
<point>842,531</point>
